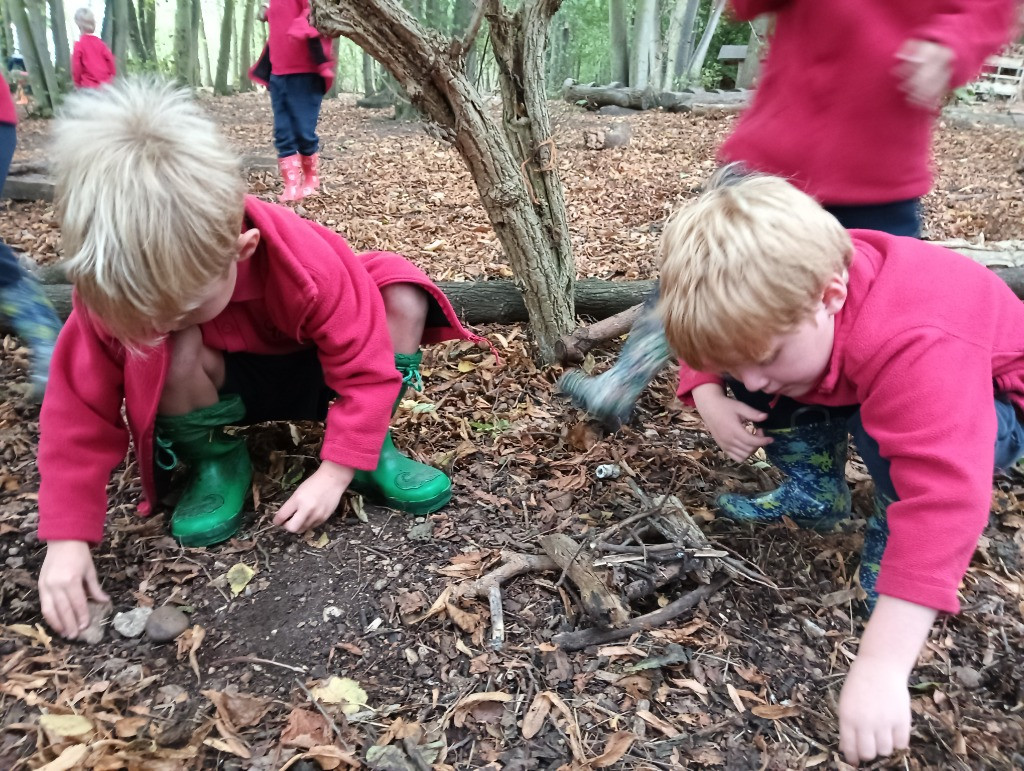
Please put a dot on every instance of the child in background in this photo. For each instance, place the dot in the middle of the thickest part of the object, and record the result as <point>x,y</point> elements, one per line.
<point>21,298</point>
<point>92,64</point>
<point>297,66</point>
<point>762,285</point>
<point>845,109</point>
<point>199,307</point>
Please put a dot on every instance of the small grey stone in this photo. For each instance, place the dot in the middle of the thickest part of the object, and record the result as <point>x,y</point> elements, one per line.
<point>132,623</point>
<point>422,531</point>
<point>318,671</point>
<point>130,675</point>
<point>166,623</point>
<point>99,615</point>
<point>969,677</point>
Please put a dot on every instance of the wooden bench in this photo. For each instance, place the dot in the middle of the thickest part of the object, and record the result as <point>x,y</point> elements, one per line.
<point>1000,78</point>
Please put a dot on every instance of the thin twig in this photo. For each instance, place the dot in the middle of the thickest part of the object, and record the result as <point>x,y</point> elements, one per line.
<point>319,708</point>
<point>255,660</point>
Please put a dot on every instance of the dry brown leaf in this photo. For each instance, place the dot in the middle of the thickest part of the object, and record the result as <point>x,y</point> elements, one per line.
<point>618,744</point>
<point>572,726</point>
<point>305,729</point>
<point>238,710</point>
<point>327,757</point>
<point>775,711</point>
<point>129,727</point>
<point>188,643</point>
<point>70,758</point>
<point>535,716</point>
<point>464,620</point>
<point>736,700</point>
<point>656,722</point>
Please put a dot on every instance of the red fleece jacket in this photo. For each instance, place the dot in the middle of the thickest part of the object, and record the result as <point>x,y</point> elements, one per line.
<point>828,112</point>
<point>291,44</point>
<point>92,64</point>
<point>8,113</point>
<point>925,340</point>
<point>302,288</point>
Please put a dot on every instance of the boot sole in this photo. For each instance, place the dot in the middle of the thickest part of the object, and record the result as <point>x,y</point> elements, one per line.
<point>213,536</point>
<point>415,508</point>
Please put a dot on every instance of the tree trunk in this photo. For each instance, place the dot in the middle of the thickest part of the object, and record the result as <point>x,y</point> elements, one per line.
<point>107,28</point>
<point>245,48</point>
<point>204,68</point>
<point>120,33</point>
<point>136,39</point>
<point>61,47</point>
<point>696,63</point>
<point>7,39</point>
<point>462,19</point>
<point>183,59</point>
<point>750,67</point>
<point>335,89</point>
<point>645,33</point>
<point>29,17</point>
<point>227,25</point>
<point>680,33</point>
<point>618,27</point>
<point>515,169</point>
<point>147,26</point>
<point>369,85</point>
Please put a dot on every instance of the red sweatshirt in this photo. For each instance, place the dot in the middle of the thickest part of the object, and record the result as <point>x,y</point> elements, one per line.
<point>92,64</point>
<point>302,288</point>
<point>925,340</point>
<point>293,46</point>
<point>828,113</point>
<point>8,114</point>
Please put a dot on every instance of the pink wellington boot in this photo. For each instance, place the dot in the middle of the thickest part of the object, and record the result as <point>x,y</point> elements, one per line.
<point>291,173</point>
<point>310,174</point>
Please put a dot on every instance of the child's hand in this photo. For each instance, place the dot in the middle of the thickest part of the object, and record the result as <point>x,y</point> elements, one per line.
<point>315,499</point>
<point>727,420</point>
<point>66,580</point>
<point>874,710</point>
<point>925,71</point>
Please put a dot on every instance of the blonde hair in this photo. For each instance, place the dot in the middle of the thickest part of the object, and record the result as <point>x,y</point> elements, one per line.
<point>744,263</point>
<point>150,202</point>
<point>85,20</point>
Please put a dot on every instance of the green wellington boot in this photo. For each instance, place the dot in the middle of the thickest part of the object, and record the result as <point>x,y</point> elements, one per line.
<point>220,473</point>
<point>400,482</point>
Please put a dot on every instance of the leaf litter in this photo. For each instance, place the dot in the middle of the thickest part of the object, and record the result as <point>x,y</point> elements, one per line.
<point>748,678</point>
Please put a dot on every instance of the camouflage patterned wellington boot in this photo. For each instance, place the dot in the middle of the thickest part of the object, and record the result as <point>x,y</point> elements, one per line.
<point>815,494</point>
<point>399,482</point>
<point>876,535</point>
<point>612,395</point>
<point>36,323</point>
<point>220,473</point>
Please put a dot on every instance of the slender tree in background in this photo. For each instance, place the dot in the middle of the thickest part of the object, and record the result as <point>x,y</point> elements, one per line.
<point>514,164</point>
<point>136,40</point>
<point>204,70</point>
<point>227,25</point>
<point>618,26</point>
<point>61,47</point>
<point>245,47</point>
<point>369,79</point>
<point>120,33</point>
<point>147,27</point>
<point>696,63</point>
<point>29,17</point>
<point>184,59</point>
<point>645,44</point>
<point>462,17</point>
<point>679,41</point>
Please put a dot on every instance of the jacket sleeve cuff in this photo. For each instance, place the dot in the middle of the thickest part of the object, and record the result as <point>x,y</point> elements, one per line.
<point>690,379</point>
<point>909,587</point>
<point>360,459</point>
<point>71,529</point>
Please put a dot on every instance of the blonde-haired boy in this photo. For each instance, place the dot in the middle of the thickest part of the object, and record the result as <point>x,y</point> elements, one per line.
<point>199,307</point>
<point>761,288</point>
<point>92,63</point>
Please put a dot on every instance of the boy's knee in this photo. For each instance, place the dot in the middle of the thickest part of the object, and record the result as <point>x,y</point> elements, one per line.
<point>406,301</point>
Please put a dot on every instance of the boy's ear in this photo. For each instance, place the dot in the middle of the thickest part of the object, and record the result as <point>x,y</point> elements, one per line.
<point>247,243</point>
<point>834,296</point>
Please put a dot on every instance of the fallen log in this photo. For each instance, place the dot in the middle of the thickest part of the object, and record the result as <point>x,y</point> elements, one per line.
<point>593,97</point>
<point>31,180</point>
<point>476,302</point>
<point>704,102</point>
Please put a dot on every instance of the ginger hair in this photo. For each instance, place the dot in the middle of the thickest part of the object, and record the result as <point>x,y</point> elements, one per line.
<point>745,262</point>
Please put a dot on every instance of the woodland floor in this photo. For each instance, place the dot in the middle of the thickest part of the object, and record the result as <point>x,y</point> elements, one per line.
<point>747,680</point>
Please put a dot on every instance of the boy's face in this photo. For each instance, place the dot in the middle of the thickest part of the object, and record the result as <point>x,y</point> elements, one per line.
<point>797,360</point>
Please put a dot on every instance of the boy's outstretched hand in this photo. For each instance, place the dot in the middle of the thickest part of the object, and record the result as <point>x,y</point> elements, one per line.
<point>66,581</point>
<point>874,707</point>
<point>315,499</point>
<point>727,420</point>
